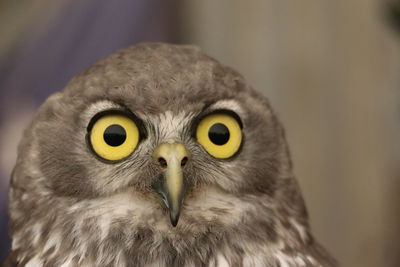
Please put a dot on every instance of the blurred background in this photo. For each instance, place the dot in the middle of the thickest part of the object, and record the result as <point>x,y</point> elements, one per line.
<point>331,70</point>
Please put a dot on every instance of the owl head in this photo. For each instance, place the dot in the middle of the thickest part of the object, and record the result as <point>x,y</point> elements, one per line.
<point>158,143</point>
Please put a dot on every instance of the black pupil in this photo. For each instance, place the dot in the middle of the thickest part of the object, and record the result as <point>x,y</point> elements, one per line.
<point>219,134</point>
<point>115,135</point>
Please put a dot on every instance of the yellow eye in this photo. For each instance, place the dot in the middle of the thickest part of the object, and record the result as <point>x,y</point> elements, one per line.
<point>220,134</point>
<point>114,137</point>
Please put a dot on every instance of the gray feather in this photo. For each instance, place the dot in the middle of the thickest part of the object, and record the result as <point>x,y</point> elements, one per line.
<point>68,207</point>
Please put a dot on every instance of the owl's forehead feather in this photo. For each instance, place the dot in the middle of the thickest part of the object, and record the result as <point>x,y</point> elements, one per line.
<point>155,73</point>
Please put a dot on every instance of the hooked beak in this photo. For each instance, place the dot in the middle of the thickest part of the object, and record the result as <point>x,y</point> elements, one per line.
<point>172,158</point>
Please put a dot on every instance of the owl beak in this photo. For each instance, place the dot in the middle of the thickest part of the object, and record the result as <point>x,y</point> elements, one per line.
<point>172,159</point>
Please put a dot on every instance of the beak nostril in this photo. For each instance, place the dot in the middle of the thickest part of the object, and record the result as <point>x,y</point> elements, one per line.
<point>184,161</point>
<point>162,162</point>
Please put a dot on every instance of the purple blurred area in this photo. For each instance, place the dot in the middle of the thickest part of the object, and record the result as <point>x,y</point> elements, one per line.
<point>57,40</point>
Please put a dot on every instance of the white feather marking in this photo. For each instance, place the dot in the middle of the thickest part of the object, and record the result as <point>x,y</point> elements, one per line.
<point>229,104</point>
<point>104,225</point>
<point>36,233</point>
<point>222,262</point>
<point>97,107</point>
<point>312,260</point>
<point>299,260</point>
<point>283,259</point>
<point>300,229</point>
<point>35,262</point>
<point>53,241</point>
<point>255,254</point>
<point>68,262</point>
<point>15,242</point>
<point>288,261</point>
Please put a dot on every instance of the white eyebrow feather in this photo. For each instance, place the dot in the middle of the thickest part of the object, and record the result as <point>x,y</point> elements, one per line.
<point>229,104</point>
<point>97,107</point>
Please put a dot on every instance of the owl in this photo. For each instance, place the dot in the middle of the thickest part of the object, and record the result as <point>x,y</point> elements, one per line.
<point>158,156</point>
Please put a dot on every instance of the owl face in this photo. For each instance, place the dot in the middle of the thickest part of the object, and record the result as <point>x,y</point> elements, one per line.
<point>158,141</point>
<point>108,146</point>
<point>167,153</point>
